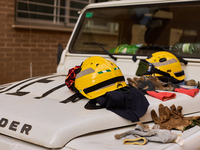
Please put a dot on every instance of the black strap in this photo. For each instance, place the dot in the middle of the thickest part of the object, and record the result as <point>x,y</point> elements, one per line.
<point>104,83</point>
<point>134,58</point>
<point>161,72</point>
<point>167,76</point>
<point>178,74</point>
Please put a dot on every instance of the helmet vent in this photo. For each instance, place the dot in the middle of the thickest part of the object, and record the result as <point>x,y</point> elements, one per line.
<point>169,70</point>
<point>162,59</point>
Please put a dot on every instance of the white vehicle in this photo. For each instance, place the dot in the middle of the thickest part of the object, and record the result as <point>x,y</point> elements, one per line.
<point>34,114</point>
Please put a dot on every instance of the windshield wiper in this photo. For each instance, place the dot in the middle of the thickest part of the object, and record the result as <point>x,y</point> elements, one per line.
<point>101,46</point>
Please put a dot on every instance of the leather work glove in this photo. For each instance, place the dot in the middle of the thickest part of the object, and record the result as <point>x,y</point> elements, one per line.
<point>143,84</point>
<point>173,118</point>
<point>154,135</point>
<point>151,83</point>
<point>148,86</point>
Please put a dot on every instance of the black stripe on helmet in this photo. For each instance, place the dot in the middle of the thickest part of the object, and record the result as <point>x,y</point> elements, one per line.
<point>103,84</point>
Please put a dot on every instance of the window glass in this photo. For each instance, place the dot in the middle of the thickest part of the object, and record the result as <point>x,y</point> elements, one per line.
<point>97,34</point>
<point>141,28</point>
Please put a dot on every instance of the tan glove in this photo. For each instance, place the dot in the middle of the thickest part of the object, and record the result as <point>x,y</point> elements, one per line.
<point>172,119</point>
<point>150,83</point>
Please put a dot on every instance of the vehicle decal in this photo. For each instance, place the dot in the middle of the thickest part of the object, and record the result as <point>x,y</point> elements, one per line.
<point>26,128</point>
<point>2,88</point>
<point>51,91</point>
<point>72,98</point>
<point>44,80</point>
<point>24,81</point>
<point>89,14</point>
<point>18,93</point>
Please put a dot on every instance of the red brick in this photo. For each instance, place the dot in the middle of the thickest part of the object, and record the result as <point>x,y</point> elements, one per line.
<point>13,44</point>
<point>6,40</point>
<point>3,4</point>
<point>2,44</point>
<point>13,35</point>
<point>19,47</point>
<point>20,40</point>
<point>12,55</point>
<point>28,45</point>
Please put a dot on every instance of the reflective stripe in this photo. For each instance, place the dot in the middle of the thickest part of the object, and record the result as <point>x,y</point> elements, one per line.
<point>100,72</point>
<point>171,61</point>
<point>85,72</point>
<point>116,68</point>
<point>108,70</point>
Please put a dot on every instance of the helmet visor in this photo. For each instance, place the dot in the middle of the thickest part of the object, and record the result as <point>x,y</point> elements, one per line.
<point>144,68</point>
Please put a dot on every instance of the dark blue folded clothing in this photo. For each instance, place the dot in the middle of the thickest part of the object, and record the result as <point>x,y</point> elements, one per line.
<point>129,103</point>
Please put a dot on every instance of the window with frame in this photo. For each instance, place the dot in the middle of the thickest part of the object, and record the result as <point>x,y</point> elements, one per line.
<point>52,12</point>
<point>140,30</point>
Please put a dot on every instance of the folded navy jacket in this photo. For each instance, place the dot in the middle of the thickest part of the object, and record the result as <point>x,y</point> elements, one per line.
<point>129,103</point>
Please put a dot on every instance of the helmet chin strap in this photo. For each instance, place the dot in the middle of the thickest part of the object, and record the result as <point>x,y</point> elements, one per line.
<point>165,74</point>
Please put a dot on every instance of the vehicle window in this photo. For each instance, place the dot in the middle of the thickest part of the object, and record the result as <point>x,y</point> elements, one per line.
<point>95,34</point>
<point>140,29</point>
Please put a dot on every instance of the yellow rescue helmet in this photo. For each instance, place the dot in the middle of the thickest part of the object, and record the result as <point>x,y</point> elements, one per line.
<point>98,76</point>
<point>166,62</point>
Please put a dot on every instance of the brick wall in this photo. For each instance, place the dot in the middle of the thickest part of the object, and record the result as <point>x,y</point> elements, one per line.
<point>20,47</point>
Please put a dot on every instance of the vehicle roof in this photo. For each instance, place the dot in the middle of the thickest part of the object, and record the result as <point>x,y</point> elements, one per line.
<point>131,2</point>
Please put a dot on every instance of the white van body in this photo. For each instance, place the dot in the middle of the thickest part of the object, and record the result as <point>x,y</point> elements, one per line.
<point>32,116</point>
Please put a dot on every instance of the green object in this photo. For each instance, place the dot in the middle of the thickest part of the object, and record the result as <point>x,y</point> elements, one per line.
<point>142,68</point>
<point>193,123</point>
<point>126,49</point>
<point>89,14</point>
<point>186,48</point>
<point>100,72</point>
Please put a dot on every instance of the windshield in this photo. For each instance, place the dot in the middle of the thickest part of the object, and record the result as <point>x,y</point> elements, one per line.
<point>138,29</point>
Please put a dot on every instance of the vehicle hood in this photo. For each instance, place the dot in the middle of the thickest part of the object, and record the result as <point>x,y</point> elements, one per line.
<point>31,110</point>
